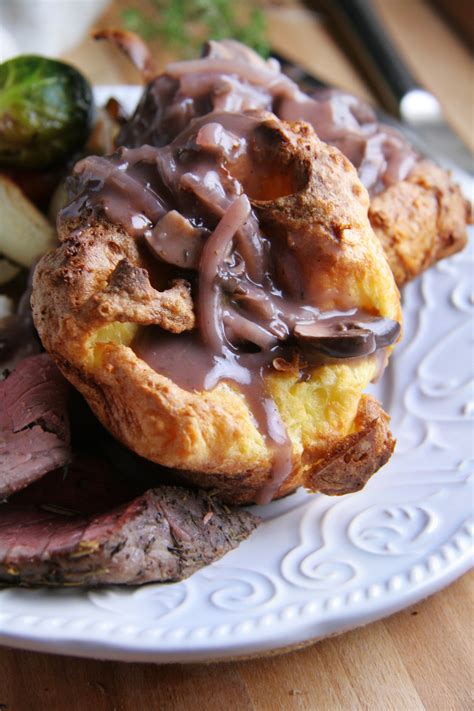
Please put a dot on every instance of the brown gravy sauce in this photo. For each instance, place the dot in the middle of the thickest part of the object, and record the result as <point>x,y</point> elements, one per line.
<point>195,367</point>
<point>187,203</point>
<point>231,77</point>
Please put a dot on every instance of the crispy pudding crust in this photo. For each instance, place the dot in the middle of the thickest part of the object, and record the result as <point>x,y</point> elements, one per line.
<point>420,220</point>
<point>96,291</point>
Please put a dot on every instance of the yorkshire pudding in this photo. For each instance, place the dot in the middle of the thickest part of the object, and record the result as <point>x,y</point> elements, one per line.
<point>416,210</point>
<point>222,302</point>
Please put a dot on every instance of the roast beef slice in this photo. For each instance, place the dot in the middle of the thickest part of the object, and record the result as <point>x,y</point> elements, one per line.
<point>34,426</point>
<point>163,535</point>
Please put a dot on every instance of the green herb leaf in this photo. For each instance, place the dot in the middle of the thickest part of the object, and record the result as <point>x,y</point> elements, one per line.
<point>184,25</point>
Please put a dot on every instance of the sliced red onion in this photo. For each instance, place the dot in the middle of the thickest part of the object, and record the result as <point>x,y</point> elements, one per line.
<point>137,198</point>
<point>214,137</point>
<point>235,51</point>
<point>208,189</point>
<point>248,331</point>
<point>257,75</point>
<point>215,251</point>
<point>257,300</point>
<point>251,248</point>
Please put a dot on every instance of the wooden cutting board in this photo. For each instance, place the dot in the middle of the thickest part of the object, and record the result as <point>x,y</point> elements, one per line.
<point>418,659</point>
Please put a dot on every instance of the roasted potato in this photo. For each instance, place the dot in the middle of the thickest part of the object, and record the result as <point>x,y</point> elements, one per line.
<point>25,233</point>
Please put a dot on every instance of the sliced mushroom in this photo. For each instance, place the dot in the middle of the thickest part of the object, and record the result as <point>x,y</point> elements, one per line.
<point>335,340</point>
<point>346,338</point>
<point>386,331</point>
<point>176,241</point>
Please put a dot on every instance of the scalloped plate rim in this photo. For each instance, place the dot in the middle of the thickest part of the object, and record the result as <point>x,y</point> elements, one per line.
<point>17,629</point>
<point>82,646</point>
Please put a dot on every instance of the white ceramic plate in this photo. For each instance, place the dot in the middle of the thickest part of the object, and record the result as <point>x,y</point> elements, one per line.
<point>317,565</point>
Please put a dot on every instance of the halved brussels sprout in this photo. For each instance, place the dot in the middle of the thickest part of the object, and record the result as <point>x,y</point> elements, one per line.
<point>46,110</point>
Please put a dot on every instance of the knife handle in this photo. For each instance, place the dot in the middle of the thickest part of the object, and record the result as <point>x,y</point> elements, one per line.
<point>362,29</point>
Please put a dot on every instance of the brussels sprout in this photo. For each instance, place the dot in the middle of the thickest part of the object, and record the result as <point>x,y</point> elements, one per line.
<point>46,111</point>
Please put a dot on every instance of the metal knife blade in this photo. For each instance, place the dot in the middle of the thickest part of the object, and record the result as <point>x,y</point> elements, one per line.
<point>364,35</point>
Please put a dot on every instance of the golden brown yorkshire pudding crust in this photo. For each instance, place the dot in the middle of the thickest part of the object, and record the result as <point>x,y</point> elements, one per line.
<point>99,279</point>
<point>341,466</point>
<point>420,220</point>
<point>347,464</point>
<point>93,292</point>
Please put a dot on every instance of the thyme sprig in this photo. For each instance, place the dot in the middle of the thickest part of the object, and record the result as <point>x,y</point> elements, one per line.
<point>183,25</point>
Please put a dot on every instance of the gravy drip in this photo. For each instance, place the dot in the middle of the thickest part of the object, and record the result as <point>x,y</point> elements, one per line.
<point>231,77</point>
<point>186,202</point>
<point>194,366</point>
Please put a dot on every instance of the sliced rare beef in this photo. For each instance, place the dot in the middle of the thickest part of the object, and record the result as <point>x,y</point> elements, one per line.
<point>34,425</point>
<point>51,534</point>
<point>88,486</point>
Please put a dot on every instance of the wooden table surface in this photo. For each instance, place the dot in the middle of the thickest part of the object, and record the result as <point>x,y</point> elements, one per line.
<point>418,659</point>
